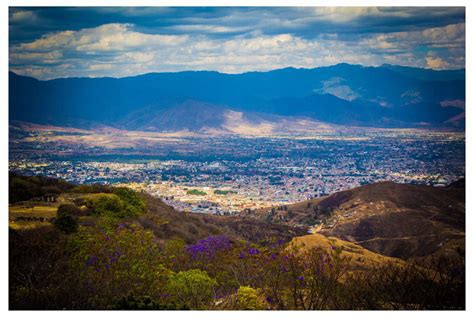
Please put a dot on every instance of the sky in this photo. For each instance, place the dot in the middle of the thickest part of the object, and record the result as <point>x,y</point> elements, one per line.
<point>48,43</point>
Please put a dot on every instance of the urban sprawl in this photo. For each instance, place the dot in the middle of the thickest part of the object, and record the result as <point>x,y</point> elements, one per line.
<point>228,175</point>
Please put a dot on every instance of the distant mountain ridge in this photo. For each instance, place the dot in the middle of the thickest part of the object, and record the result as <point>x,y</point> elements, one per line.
<point>343,94</point>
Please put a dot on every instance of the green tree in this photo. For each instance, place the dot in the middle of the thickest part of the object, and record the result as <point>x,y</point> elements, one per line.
<point>247,299</point>
<point>193,288</point>
<point>132,198</point>
<point>111,205</point>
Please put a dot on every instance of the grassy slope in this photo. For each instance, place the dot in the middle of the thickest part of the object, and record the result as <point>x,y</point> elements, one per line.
<point>396,220</point>
<point>359,257</point>
<point>163,220</point>
<point>167,223</point>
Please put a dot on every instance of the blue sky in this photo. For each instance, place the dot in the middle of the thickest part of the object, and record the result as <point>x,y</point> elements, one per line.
<point>120,41</point>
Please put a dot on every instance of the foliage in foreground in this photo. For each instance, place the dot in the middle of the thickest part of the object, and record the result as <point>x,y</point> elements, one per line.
<point>120,265</point>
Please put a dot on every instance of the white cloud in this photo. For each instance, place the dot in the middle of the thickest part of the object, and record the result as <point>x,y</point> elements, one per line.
<point>343,14</point>
<point>140,57</point>
<point>52,56</point>
<point>107,37</point>
<point>434,62</point>
<point>448,36</point>
<point>22,16</point>
<point>101,67</point>
<point>120,50</point>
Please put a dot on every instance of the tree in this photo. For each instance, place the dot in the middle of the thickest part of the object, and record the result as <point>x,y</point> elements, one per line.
<point>132,198</point>
<point>66,222</point>
<point>110,262</point>
<point>247,299</point>
<point>193,288</point>
<point>111,205</point>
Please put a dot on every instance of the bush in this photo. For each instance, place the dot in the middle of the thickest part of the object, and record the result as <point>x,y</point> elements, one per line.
<point>66,223</point>
<point>132,198</point>
<point>112,262</point>
<point>247,299</point>
<point>23,188</point>
<point>94,189</point>
<point>37,264</point>
<point>69,209</point>
<point>192,288</point>
<point>111,205</point>
<point>196,192</point>
<point>52,189</point>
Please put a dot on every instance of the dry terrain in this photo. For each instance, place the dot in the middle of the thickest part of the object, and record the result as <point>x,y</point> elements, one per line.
<point>397,220</point>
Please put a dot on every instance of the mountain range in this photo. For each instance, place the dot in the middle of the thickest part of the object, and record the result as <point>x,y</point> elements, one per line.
<point>343,94</point>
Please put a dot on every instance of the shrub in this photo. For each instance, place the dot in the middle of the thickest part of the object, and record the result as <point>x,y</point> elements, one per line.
<point>247,299</point>
<point>208,247</point>
<point>52,189</point>
<point>69,209</point>
<point>27,187</point>
<point>110,205</point>
<point>192,288</point>
<point>132,198</point>
<point>22,189</point>
<point>112,262</point>
<point>94,188</point>
<point>36,262</point>
<point>174,249</point>
<point>66,222</point>
<point>196,192</point>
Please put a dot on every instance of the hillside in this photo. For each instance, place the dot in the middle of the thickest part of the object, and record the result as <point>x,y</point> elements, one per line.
<point>29,208</point>
<point>118,249</point>
<point>392,219</point>
<point>359,258</point>
<point>386,96</point>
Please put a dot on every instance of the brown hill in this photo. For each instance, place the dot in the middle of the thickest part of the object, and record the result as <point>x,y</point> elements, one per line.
<point>31,207</point>
<point>167,223</point>
<point>397,220</point>
<point>358,257</point>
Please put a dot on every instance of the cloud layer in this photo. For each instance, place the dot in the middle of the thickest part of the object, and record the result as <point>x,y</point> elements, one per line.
<point>121,42</point>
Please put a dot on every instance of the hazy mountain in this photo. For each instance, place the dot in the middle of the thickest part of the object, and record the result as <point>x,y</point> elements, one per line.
<point>190,115</point>
<point>203,117</point>
<point>343,94</point>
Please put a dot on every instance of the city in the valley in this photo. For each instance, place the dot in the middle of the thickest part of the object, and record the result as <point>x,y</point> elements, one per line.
<point>228,174</point>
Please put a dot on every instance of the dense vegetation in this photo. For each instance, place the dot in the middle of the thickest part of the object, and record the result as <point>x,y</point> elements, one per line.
<point>116,249</point>
<point>27,187</point>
